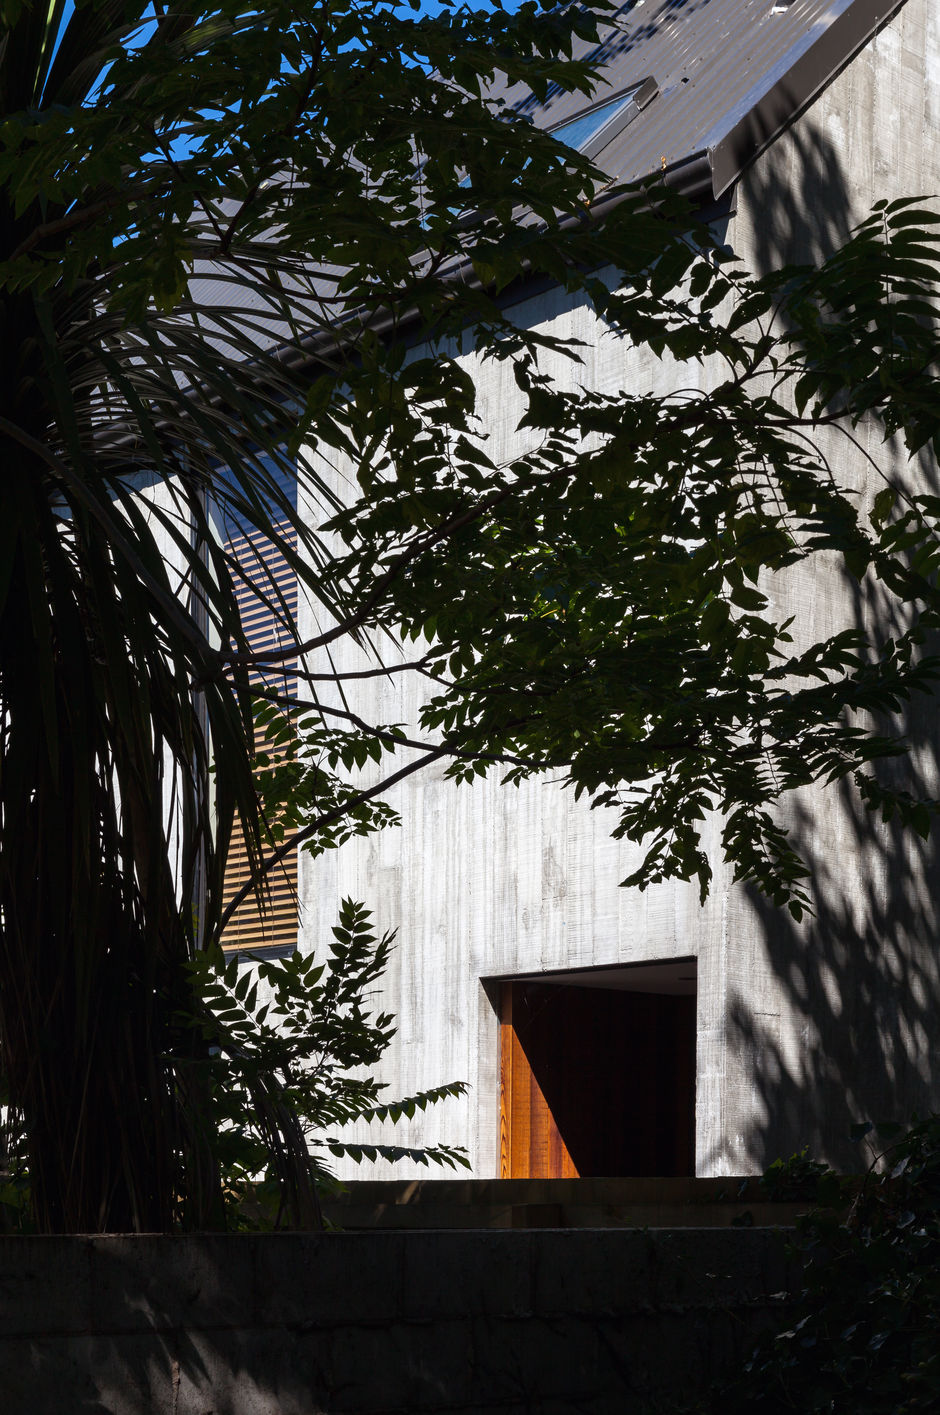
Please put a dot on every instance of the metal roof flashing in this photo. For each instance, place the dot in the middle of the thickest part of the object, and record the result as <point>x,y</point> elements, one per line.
<point>786,90</point>
<point>732,76</point>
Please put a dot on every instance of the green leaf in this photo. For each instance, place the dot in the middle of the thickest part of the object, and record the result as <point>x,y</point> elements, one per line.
<point>884,504</point>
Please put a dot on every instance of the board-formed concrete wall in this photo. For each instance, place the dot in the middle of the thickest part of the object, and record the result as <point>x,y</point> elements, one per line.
<point>801,1029</point>
<point>381,1323</point>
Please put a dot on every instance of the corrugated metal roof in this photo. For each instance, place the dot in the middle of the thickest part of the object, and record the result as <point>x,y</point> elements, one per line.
<point>731,75</point>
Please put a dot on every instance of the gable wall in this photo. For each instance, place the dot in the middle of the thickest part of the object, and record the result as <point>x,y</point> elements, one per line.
<point>489,881</point>
<point>805,1029</point>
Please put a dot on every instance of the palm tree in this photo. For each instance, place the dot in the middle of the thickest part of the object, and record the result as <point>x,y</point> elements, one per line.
<point>169,178</point>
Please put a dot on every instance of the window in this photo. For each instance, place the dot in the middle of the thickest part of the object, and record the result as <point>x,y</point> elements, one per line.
<point>591,131</point>
<point>597,1073</point>
<point>579,131</point>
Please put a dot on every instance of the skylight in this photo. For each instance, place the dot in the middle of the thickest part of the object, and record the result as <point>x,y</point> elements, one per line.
<point>591,131</point>
<point>580,130</point>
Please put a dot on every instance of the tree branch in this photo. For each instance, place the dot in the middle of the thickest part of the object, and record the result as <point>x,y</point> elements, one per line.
<point>71,221</point>
<point>398,739</point>
<point>328,817</point>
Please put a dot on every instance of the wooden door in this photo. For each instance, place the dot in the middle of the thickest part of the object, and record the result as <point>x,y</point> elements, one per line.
<point>530,1143</point>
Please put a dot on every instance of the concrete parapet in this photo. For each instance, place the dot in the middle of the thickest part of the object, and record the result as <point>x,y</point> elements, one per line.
<point>558,1203</point>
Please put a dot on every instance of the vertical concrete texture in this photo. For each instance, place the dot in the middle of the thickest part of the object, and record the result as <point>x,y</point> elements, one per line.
<point>801,1029</point>
<point>382,1323</point>
<point>807,1028</point>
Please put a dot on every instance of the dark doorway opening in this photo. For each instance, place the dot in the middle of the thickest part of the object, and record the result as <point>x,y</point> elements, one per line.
<point>598,1073</point>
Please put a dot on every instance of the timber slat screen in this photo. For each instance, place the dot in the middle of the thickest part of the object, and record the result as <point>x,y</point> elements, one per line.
<point>275,925</point>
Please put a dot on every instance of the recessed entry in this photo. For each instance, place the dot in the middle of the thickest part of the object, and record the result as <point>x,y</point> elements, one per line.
<point>597,1072</point>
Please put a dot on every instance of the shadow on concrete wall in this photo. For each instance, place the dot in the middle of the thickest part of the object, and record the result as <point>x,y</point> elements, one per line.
<point>863,977</point>
<point>801,199</point>
<point>165,1325</point>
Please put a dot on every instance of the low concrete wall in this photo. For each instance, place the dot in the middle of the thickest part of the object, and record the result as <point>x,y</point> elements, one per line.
<point>600,1321</point>
<point>558,1203</point>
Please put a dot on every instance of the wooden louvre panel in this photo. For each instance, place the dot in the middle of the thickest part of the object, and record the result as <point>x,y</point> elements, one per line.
<point>274,924</point>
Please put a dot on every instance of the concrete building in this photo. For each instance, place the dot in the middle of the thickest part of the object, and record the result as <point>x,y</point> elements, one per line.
<point>603,1030</point>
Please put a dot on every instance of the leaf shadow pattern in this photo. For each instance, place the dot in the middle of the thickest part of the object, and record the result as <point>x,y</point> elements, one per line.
<point>803,203</point>
<point>858,1030</point>
<point>839,1021</point>
<point>186,1324</point>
